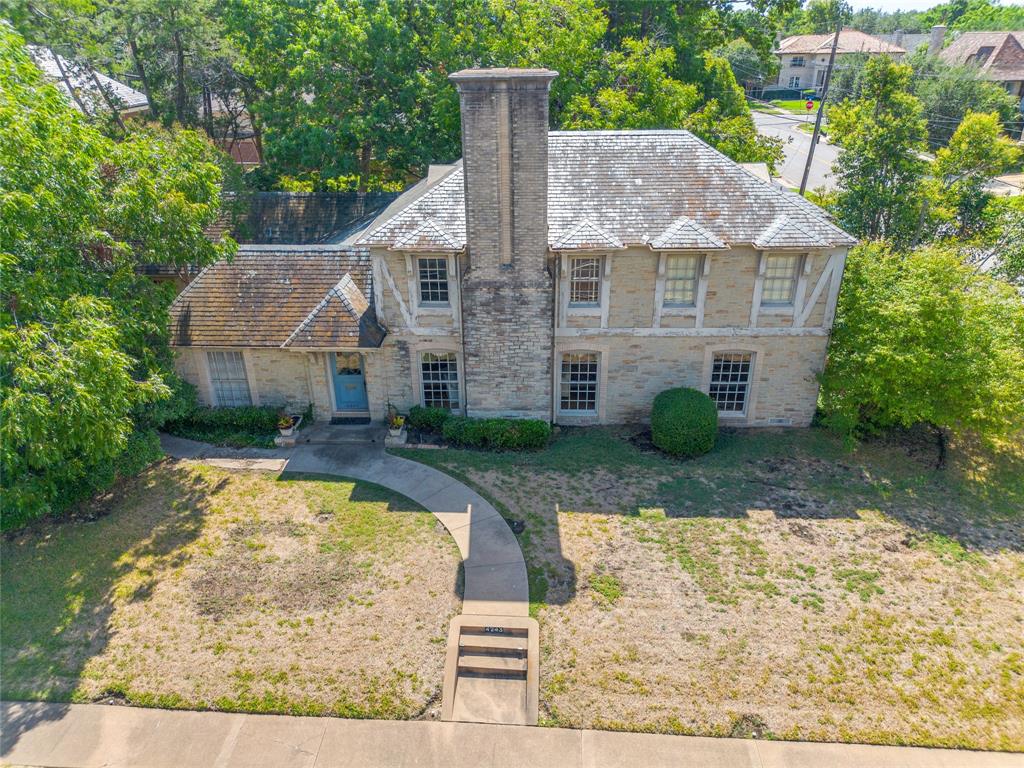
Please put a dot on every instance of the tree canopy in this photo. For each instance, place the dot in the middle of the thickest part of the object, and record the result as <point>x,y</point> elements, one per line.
<point>83,334</point>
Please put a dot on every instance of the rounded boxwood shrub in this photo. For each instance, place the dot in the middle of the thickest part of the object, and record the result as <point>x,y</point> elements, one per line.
<point>431,419</point>
<point>684,422</point>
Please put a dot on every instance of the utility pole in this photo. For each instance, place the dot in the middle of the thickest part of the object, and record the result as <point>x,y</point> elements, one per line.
<point>821,104</point>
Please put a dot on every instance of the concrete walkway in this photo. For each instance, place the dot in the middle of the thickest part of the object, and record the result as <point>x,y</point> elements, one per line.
<point>94,735</point>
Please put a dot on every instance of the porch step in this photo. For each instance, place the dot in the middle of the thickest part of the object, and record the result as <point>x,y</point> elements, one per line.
<point>350,420</point>
<point>491,671</point>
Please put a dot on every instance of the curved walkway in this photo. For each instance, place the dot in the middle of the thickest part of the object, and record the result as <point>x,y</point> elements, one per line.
<point>495,572</point>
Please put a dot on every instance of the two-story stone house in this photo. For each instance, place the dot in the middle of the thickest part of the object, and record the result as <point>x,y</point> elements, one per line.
<point>568,276</point>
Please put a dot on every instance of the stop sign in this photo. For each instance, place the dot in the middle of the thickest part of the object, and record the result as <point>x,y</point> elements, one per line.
<point>809,105</point>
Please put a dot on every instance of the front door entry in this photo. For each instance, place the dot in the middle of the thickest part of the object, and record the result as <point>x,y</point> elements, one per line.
<point>349,383</point>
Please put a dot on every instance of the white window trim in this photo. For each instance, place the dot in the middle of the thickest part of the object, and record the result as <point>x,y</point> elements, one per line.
<point>757,355</point>
<point>412,271</point>
<point>803,269</point>
<point>439,344</point>
<point>604,287</point>
<point>697,310</point>
<point>794,81</point>
<point>207,376</point>
<point>581,417</point>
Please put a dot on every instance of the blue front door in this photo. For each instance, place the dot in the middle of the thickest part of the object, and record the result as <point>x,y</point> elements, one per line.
<point>349,385</point>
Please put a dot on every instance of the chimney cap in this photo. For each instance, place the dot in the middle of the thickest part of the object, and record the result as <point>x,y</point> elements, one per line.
<point>496,74</point>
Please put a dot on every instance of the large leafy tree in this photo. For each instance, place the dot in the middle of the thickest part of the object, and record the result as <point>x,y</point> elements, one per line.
<point>920,337</point>
<point>83,335</point>
<point>880,169</point>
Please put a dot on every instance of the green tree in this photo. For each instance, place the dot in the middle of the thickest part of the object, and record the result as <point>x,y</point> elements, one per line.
<point>748,66</point>
<point>83,335</point>
<point>947,92</point>
<point>880,168</point>
<point>920,337</point>
<point>976,153</point>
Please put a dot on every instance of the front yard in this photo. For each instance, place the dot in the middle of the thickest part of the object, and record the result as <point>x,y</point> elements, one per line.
<point>201,588</point>
<point>778,586</point>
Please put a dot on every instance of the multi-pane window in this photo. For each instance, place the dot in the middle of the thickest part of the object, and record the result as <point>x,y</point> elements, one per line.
<point>730,381</point>
<point>579,382</point>
<point>433,281</point>
<point>681,276</point>
<point>227,374</point>
<point>798,61</point>
<point>794,81</point>
<point>440,376</point>
<point>584,282</point>
<point>779,279</point>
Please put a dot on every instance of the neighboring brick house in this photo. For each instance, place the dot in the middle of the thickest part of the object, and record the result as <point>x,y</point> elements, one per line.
<point>568,276</point>
<point>803,59</point>
<point>999,56</point>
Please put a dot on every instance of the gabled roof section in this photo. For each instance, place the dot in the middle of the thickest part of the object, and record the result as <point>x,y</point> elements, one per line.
<point>443,204</point>
<point>784,232</point>
<point>627,187</point>
<point>999,55</point>
<point>850,41</point>
<point>686,234</point>
<point>428,236</point>
<point>586,236</point>
<point>126,98</point>
<point>343,316</point>
<point>276,296</point>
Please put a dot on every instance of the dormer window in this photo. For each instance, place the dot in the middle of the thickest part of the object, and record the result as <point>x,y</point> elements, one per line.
<point>585,281</point>
<point>780,276</point>
<point>433,280</point>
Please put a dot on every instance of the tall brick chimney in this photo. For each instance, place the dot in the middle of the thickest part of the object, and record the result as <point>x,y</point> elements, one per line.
<point>935,40</point>
<point>507,288</point>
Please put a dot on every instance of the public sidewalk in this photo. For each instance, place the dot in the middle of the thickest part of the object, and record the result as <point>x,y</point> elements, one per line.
<point>94,735</point>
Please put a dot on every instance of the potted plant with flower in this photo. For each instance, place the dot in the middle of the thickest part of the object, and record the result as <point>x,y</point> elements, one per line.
<point>288,424</point>
<point>396,422</point>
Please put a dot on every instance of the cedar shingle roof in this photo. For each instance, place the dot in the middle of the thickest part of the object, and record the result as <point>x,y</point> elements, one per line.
<point>850,41</point>
<point>1005,60</point>
<point>280,296</point>
<point>632,186</point>
<point>126,98</point>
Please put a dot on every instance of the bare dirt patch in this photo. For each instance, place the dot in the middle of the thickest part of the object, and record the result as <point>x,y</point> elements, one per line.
<point>204,588</point>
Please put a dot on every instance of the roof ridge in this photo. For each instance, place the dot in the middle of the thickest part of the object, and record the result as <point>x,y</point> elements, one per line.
<point>333,292</point>
<point>686,222</point>
<point>611,240</point>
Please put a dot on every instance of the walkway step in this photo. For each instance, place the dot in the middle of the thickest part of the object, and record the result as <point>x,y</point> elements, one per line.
<point>472,642</point>
<point>484,663</point>
<point>491,672</point>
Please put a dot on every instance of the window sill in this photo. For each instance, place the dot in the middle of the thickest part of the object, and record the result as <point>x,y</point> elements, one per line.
<point>434,309</point>
<point>585,311</point>
<point>671,310</point>
<point>776,309</point>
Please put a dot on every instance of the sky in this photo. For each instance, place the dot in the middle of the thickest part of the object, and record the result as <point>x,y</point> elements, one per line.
<point>908,5</point>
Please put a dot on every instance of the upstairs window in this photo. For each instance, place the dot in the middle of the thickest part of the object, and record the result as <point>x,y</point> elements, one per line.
<point>780,275</point>
<point>439,372</point>
<point>578,391</point>
<point>227,375</point>
<point>433,275</point>
<point>796,61</point>
<point>730,382</point>
<point>584,282</point>
<point>682,274</point>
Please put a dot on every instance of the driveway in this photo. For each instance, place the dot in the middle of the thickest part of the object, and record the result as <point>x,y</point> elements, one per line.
<point>797,143</point>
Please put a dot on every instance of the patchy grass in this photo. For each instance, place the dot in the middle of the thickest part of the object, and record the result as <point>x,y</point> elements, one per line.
<point>200,588</point>
<point>779,586</point>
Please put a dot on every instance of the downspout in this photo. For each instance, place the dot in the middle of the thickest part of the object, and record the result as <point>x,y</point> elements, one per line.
<point>554,265</point>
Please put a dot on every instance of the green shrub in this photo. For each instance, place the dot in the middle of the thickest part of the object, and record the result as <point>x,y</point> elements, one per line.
<point>497,434</point>
<point>248,425</point>
<point>431,419</point>
<point>684,422</point>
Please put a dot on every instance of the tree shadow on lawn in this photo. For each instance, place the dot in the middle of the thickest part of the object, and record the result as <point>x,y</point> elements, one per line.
<point>61,579</point>
<point>795,474</point>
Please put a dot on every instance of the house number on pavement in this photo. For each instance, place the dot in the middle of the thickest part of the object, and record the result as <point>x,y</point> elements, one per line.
<point>494,630</point>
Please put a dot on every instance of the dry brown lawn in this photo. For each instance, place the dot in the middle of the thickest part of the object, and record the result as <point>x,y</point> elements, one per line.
<point>778,587</point>
<point>197,587</point>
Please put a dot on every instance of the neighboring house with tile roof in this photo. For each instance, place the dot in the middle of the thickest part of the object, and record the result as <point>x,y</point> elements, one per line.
<point>91,89</point>
<point>569,276</point>
<point>998,55</point>
<point>803,59</point>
